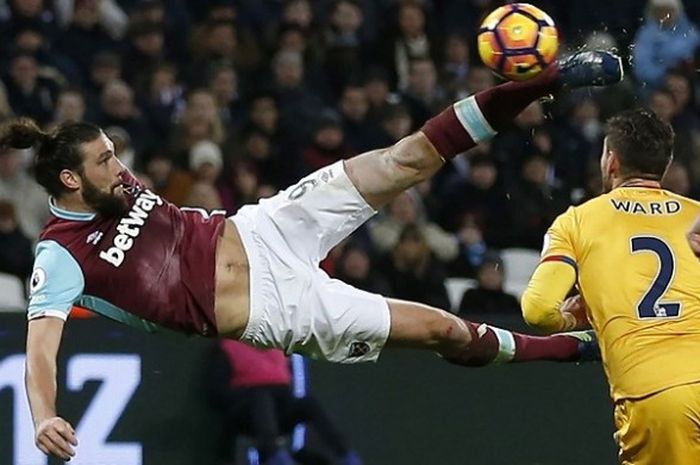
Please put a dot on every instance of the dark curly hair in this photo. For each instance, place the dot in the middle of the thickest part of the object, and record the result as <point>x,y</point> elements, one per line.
<point>55,151</point>
<point>643,143</point>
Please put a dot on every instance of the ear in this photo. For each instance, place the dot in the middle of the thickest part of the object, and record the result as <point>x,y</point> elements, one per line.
<point>70,179</point>
<point>613,162</point>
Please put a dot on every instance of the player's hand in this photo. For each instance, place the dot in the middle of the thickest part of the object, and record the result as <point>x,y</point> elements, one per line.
<point>693,237</point>
<point>55,436</point>
<point>577,309</point>
<point>694,242</point>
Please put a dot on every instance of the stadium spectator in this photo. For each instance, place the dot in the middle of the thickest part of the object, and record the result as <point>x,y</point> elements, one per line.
<point>239,185</point>
<point>361,133</point>
<point>19,188</point>
<point>408,210</point>
<point>479,194</point>
<point>174,18</point>
<point>663,103</point>
<point>677,180</point>
<point>298,12</point>
<point>109,14</point>
<point>535,200</point>
<point>151,11</point>
<point>409,41</point>
<point>169,181</point>
<point>681,87</point>
<point>377,87</point>
<point>118,108</point>
<point>423,95</point>
<point>593,186</point>
<point>16,255</point>
<point>413,272</point>
<point>346,44</point>
<point>354,266</point>
<point>456,66</point>
<point>666,40</point>
<point>29,94</point>
<point>206,162</point>
<point>464,16</point>
<point>16,15</point>
<point>70,106</point>
<point>223,83</point>
<point>203,195</point>
<point>297,103</point>
<point>258,151</point>
<point>105,67</point>
<point>85,36</point>
<point>472,247</point>
<point>218,40</point>
<point>517,143</point>
<point>264,113</point>
<point>396,122</point>
<point>263,117</point>
<point>5,108</point>
<point>199,120</point>
<point>293,38</point>
<point>162,99</point>
<point>32,39</point>
<point>145,51</point>
<point>478,78</point>
<point>579,138</point>
<point>488,297</point>
<point>328,143</point>
<point>253,389</point>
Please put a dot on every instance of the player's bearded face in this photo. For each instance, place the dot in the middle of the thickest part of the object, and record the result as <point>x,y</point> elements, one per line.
<point>109,203</point>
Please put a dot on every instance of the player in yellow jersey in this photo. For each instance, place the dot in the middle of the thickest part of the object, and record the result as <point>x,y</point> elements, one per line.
<point>639,284</point>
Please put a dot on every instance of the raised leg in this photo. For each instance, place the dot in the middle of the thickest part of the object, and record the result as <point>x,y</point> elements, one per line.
<point>380,175</point>
<point>470,344</point>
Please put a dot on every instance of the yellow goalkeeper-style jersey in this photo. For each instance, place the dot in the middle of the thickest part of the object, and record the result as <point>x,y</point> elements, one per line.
<point>641,282</point>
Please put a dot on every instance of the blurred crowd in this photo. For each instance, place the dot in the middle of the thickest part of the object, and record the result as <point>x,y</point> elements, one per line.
<point>220,103</point>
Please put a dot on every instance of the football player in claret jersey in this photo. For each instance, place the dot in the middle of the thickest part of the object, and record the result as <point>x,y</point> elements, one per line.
<point>119,249</point>
<point>639,283</point>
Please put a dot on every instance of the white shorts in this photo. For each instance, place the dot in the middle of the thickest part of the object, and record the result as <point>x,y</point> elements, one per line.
<point>294,305</point>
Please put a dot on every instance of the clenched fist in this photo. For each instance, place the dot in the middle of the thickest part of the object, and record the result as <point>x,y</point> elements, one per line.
<point>574,310</point>
<point>55,436</point>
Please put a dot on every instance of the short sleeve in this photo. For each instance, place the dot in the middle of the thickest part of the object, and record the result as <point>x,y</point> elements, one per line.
<point>57,282</point>
<point>559,240</point>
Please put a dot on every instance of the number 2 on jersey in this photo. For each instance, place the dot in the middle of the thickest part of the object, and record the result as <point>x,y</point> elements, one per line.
<point>650,305</point>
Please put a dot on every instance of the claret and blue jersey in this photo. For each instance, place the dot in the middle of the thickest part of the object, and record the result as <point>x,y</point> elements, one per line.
<point>152,267</point>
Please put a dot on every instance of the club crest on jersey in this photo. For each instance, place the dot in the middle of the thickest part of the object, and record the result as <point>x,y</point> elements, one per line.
<point>129,227</point>
<point>358,349</point>
<point>94,237</point>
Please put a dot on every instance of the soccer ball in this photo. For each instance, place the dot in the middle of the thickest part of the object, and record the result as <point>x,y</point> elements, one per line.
<point>518,41</point>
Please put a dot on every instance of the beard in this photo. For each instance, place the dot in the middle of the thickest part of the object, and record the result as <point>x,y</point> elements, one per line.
<point>108,205</point>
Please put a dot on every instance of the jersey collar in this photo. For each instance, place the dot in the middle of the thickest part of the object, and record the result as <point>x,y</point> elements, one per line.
<point>67,214</point>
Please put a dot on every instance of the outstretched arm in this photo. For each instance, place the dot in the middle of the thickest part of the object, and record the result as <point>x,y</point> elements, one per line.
<point>54,435</point>
<point>57,282</point>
